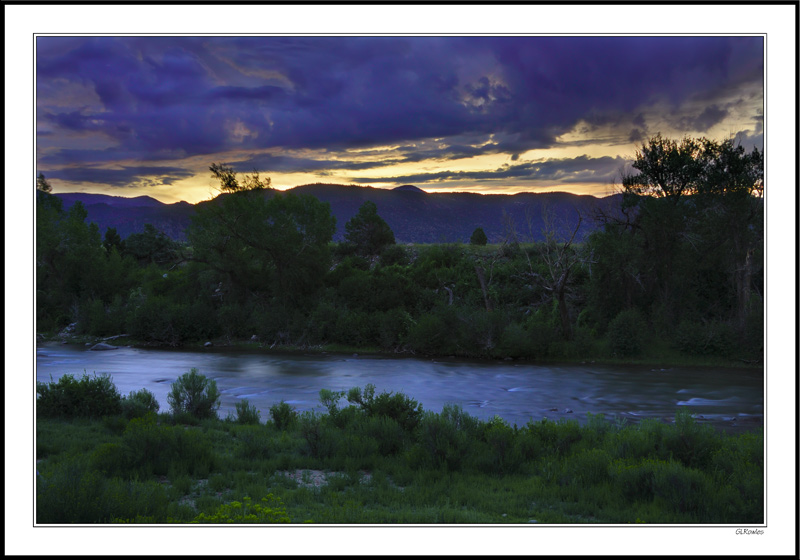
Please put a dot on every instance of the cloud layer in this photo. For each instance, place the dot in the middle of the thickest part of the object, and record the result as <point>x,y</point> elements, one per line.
<point>438,111</point>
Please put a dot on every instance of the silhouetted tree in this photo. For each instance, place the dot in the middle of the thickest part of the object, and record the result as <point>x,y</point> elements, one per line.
<point>478,237</point>
<point>367,231</point>
<point>228,182</point>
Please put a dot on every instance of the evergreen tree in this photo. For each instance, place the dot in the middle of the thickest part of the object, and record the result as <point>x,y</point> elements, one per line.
<point>367,231</point>
<point>478,237</point>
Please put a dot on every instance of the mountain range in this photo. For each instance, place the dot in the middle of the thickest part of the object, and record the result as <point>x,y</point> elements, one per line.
<point>414,215</point>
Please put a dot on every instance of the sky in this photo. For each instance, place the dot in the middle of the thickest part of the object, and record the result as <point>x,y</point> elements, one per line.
<point>147,115</point>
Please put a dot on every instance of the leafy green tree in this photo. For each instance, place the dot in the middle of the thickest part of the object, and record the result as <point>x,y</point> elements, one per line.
<point>478,237</point>
<point>112,239</point>
<point>367,231</point>
<point>274,244</point>
<point>150,246</point>
<point>688,235</point>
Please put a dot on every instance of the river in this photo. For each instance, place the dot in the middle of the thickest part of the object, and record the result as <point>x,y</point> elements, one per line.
<point>731,399</point>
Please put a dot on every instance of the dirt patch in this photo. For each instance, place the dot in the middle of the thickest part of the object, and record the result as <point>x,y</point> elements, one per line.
<point>312,478</point>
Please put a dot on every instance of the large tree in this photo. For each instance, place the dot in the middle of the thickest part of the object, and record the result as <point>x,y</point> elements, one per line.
<point>367,231</point>
<point>692,229</point>
<point>273,244</point>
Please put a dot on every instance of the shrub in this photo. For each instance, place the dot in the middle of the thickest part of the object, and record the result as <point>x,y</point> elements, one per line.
<point>73,492</point>
<point>388,434</point>
<point>283,415</point>
<point>247,413</point>
<point>442,441</point>
<point>89,397</point>
<point>138,403</point>
<point>394,254</point>
<point>397,406</point>
<point>689,442</point>
<point>704,339</point>
<point>589,466</point>
<point>626,333</point>
<point>254,443</point>
<point>153,449</point>
<point>515,342</point>
<point>194,394</point>
<point>319,437</point>
<point>478,237</point>
<point>500,436</point>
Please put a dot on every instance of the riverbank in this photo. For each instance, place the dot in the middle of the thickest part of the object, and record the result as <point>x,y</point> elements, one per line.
<point>658,356</point>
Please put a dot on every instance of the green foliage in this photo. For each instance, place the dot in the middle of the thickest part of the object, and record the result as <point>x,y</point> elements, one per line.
<point>445,440</point>
<point>195,395</point>
<point>247,413</point>
<point>72,492</point>
<point>715,338</point>
<point>272,244</point>
<point>478,237</point>
<point>397,406</point>
<point>151,246</point>
<point>626,333</point>
<point>318,436</point>
<point>88,397</point>
<point>283,415</point>
<point>394,254</point>
<point>153,449</point>
<point>367,231</point>
<point>270,510</point>
<point>139,403</point>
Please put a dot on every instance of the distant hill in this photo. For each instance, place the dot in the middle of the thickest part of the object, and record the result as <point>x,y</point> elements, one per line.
<point>129,215</point>
<point>414,215</point>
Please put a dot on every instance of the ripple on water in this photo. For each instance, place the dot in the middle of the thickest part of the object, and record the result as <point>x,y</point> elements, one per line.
<point>696,401</point>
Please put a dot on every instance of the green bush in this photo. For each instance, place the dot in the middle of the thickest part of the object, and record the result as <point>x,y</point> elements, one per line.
<point>478,237</point>
<point>688,441</point>
<point>89,397</point>
<point>386,431</point>
<point>319,437</point>
<point>394,254</point>
<point>247,413</point>
<point>626,333</point>
<point>397,406</point>
<point>588,467</point>
<point>138,403</point>
<point>515,342</point>
<point>74,492</point>
<point>714,338</point>
<point>442,440</point>
<point>504,456</point>
<point>151,449</point>
<point>194,394</point>
<point>283,415</point>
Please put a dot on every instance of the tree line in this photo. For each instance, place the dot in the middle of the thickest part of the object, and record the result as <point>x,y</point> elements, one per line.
<point>677,267</point>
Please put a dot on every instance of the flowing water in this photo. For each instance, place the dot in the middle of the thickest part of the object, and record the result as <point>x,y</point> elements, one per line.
<point>732,399</point>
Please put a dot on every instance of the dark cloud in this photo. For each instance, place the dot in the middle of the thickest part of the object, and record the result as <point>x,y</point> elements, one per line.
<point>126,176</point>
<point>582,169</point>
<point>709,117</point>
<point>636,136</point>
<point>158,98</point>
